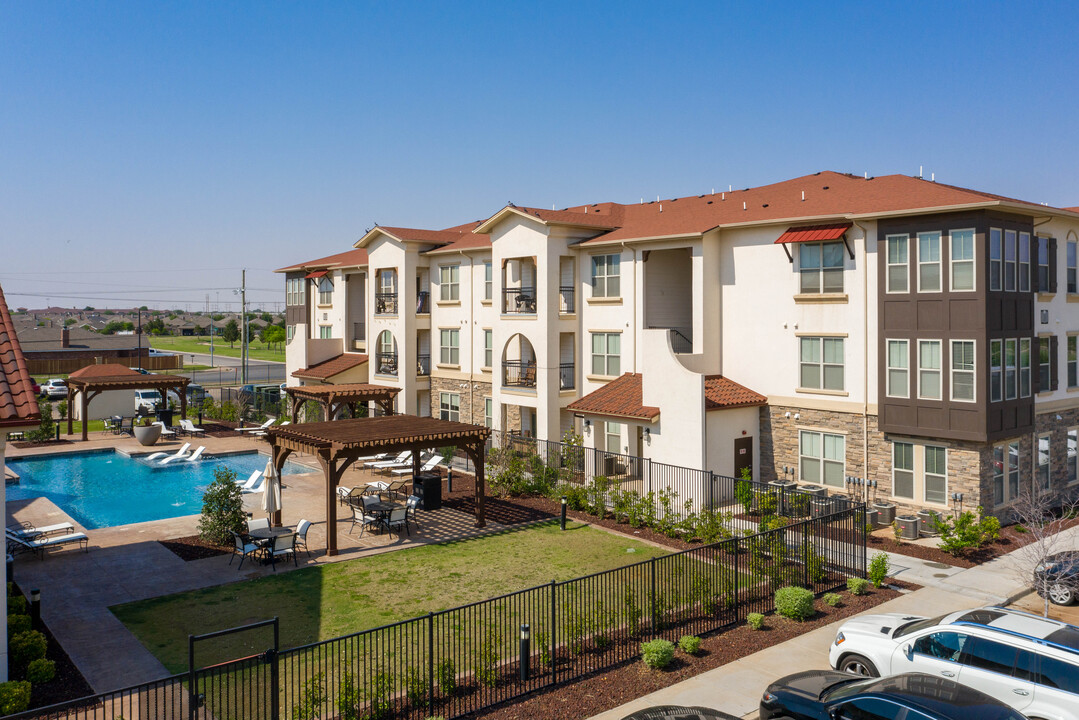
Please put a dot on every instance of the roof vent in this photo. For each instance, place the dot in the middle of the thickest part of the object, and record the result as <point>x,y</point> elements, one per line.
<point>764,205</point>
<point>709,202</point>
<point>825,187</point>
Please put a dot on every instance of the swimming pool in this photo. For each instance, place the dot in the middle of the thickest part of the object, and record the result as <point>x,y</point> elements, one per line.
<point>104,489</point>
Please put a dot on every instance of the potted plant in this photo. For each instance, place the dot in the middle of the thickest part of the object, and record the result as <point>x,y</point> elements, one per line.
<point>145,431</point>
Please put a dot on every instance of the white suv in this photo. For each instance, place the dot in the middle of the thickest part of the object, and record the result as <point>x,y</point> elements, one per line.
<point>1026,661</point>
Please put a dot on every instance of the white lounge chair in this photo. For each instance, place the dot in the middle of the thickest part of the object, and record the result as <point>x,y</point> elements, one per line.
<point>379,463</point>
<point>165,432</point>
<point>393,486</point>
<point>197,454</point>
<point>263,426</point>
<point>187,458</point>
<point>250,482</point>
<point>426,467</point>
<point>258,487</point>
<point>40,544</point>
<point>190,429</point>
<point>28,531</point>
<point>178,454</point>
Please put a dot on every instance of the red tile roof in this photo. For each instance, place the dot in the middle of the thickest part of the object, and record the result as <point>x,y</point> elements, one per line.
<point>621,397</point>
<point>814,233</point>
<point>328,368</point>
<point>18,405</point>
<point>351,258</point>
<point>721,393</point>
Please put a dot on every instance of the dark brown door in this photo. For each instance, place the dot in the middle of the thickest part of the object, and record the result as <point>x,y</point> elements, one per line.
<point>743,455</point>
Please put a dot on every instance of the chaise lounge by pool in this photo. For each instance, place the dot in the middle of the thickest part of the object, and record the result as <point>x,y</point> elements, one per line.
<point>106,488</point>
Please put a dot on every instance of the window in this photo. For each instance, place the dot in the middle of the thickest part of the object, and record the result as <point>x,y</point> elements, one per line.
<point>290,330</point>
<point>450,347</point>
<point>821,267</point>
<point>1044,284</point>
<point>488,281</point>
<point>488,348</point>
<point>449,406</point>
<point>1041,474</point>
<point>1010,390</point>
<point>822,363</point>
<point>606,276</point>
<point>449,282</point>
<point>387,281</point>
<point>903,470</point>
<point>1024,262</point>
<point>1045,365</point>
<point>898,277</point>
<point>871,709</point>
<point>962,380</point>
<point>606,354</point>
<point>294,291</point>
<point>612,437</point>
<point>822,458</point>
<point>929,262</point>
<point>995,268</point>
<point>488,412</point>
<point>1073,365</point>
<point>325,332</point>
<point>1009,260</point>
<point>325,291</point>
<point>1058,674</point>
<point>1073,283</point>
<point>941,645</point>
<point>1072,456</point>
<point>898,368</point>
<point>1024,367</point>
<point>936,474</point>
<point>988,655</point>
<point>929,369</point>
<point>1005,472</point>
<point>962,265</point>
<point>995,370</point>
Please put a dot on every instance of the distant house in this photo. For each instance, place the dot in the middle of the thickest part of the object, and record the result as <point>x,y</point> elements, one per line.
<point>58,350</point>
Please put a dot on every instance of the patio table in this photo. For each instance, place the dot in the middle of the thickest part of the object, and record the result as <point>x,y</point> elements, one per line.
<point>264,537</point>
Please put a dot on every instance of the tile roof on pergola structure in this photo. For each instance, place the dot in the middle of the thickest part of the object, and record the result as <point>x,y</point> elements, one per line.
<point>332,397</point>
<point>338,443</point>
<point>93,380</point>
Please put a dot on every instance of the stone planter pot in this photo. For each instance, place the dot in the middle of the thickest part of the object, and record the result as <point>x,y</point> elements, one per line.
<point>885,512</point>
<point>147,434</point>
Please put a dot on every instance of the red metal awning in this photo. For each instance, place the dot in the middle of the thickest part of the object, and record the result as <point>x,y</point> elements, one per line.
<point>814,233</point>
<point>316,274</point>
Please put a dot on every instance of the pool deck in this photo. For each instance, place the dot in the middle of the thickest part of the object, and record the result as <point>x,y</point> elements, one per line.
<point>126,563</point>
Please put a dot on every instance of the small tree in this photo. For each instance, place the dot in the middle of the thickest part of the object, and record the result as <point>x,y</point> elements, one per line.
<point>46,429</point>
<point>222,508</point>
<point>1043,515</point>
<point>231,332</point>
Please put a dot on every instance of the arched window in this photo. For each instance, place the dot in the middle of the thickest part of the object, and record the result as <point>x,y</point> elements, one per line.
<point>325,291</point>
<point>386,354</point>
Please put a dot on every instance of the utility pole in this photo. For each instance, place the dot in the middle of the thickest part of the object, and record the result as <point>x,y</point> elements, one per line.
<point>138,331</point>
<point>243,323</point>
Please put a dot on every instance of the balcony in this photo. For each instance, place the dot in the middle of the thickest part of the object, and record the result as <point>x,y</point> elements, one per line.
<point>386,303</point>
<point>681,339</point>
<point>565,300</point>
<point>566,376</point>
<point>423,365</point>
<point>359,335</point>
<point>386,364</point>
<point>519,301</point>
<point>423,303</point>
<point>518,373</point>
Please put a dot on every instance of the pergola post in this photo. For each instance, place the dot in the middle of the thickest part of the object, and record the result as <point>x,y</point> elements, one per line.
<point>333,476</point>
<point>475,452</point>
<point>70,413</point>
<point>279,455</point>
<point>84,403</point>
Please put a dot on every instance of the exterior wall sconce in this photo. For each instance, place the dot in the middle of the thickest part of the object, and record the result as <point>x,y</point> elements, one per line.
<point>648,435</point>
<point>787,414</point>
<point>797,416</point>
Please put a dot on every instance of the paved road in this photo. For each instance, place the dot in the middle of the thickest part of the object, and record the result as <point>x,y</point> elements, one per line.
<point>227,370</point>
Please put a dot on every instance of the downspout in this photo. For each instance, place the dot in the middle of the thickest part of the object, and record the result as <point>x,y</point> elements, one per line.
<point>865,355</point>
<point>634,286</point>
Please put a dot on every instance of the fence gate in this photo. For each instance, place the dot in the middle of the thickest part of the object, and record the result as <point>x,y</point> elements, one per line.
<point>246,687</point>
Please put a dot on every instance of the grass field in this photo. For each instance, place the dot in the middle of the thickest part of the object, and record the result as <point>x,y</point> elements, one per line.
<point>339,598</point>
<point>188,344</point>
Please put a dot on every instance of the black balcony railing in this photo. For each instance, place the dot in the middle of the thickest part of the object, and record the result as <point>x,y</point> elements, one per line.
<point>423,365</point>
<point>519,301</point>
<point>423,303</point>
<point>386,303</point>
<point>386,363</point>
<point>565,300</point>
<point>566,376</point>
<point>519,373</point>
<point>681,339</point>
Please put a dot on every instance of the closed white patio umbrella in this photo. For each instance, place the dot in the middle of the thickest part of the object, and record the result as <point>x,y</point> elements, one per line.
<point>271,493</point>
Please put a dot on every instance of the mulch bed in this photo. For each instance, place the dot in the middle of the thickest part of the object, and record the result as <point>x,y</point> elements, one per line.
<point>23,444</point>
<point>192,547</point>
<point>611,688</point>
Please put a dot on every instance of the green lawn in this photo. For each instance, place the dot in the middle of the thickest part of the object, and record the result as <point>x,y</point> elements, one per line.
<point>339,598</point>
<point>189,344</point>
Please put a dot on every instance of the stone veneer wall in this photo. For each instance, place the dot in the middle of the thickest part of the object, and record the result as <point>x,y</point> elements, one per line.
<point>472,395</point>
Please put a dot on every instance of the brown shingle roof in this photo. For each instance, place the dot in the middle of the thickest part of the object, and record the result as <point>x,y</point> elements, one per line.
<point>328,368</point>
<point>721,393</point>
<point>18,406</point>
<point>351,258</point>
<point>109,370</point>
<point>621,397</point>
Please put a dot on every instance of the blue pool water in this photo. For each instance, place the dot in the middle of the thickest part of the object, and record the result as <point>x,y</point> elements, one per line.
<point>103,489</point>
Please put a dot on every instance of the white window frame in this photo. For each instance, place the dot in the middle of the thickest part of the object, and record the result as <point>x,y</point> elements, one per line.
<point>325,290</point>
<point>1043,475</point>
<point>488,348</point>
<point>1011,259</point>
<point>1023,285</point>
<point>897,240</point>
<point>1011,369</point>
<point>449,406</point>
<point>1071,456</point>
<point>938,370</point>
<point>823,460</point>
<point>966,261</point>
<point>608,356</point>
<point>926,475</point>
<point>488,412</point>
<point>612,431</point>
<point>290,331</point>
<point>996,259</point>
<point>821,271</point>
<point>1006,472</point>
<point>1071,257</point>
<point>387,281</point>
<point>488,280</point>
<point>1043,243</point>
<point>963,371</point>
<point>896,470</point>
<point>607,272</point>
<point>449,346</point>
<point>931,236</point>
<point>1026,389</point>
<point>1071,359</point>
<point>821,364</point>
<point>449,283</point>
<point>325,332</point>
<point>905,369</point>
<point>996,386</point>
<point>294,291</point>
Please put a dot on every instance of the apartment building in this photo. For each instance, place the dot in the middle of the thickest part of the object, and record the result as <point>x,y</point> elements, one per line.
<point>919,335</point>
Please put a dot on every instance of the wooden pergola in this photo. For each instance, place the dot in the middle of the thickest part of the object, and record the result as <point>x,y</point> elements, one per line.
<point>93,380</point>
<point>338,443</point>
<point>332,397</point>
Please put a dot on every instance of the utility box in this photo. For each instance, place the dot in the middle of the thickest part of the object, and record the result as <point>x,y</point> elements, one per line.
<point>909,526</point>
<point>428,487</point>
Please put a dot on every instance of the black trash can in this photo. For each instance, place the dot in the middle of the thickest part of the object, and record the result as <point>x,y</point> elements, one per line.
<point>165,416</point>
<point>428,486</point>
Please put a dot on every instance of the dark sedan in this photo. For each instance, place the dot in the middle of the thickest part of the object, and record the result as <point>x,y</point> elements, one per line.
<point>830,695</point>
<point>1058,577</point>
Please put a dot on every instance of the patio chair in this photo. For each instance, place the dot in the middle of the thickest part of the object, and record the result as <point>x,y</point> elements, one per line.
<point>258,487</point>
<point>372,458</point>
<point>283,546</point>
<point>110,426</point>
<point>301,536</point>
<point>40,544</point>
<point>178,454</point>
<point>379,463</point>
<point>190,429</point>
<point>389,466</point>
<point>263,426</point>
<point>193,456</point>
<point>165,431</point>
<point>361,517</point>
<point>411,506</point>
<point>250,483</point>
<point>258,524</point>
<point>243,547</point>
<point>398,519</point>
<point>393,486</point>
<point>27,531</point>
<point>426,467</point>
<point>347,495</point>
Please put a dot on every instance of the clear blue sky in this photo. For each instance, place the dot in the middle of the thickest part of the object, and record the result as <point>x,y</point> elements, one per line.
<point>150,150</point>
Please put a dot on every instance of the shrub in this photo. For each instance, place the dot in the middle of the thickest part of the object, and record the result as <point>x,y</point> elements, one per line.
<point>486,662</point>
<point>222,509</point>
<point>348,699</point>
<point>543,643</point>
<point>17,624</point>
<point>767,503</point>
<point>755,621</point>
<point>689,644</point>
<point>743,493</point>
<point>11,591</point>
<point>857,586</point>
<point>963,533</point>
<point>832,599</point>
<point>26,647</point>
<point>40,671</point>
<point>799,503</point>
<point>446,677</point>
<point>46,429</point>
<point>878,569</point>
<point>415,685</point>
<point>657,654</point>
<point>16,605</point>
<point>897,531</point>
<point>14,697</point>
<point>815,564</point>
<point>794,602</point>
<point>379,694</point>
